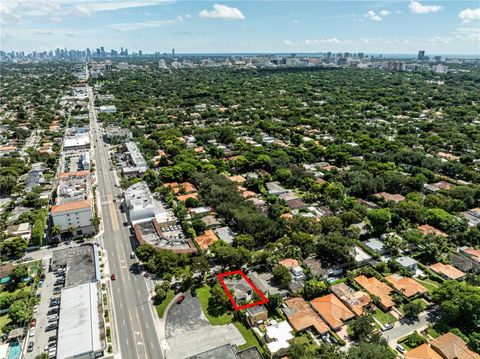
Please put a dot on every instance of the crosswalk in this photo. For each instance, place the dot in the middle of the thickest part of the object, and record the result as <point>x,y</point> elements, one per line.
<point>150,285</point>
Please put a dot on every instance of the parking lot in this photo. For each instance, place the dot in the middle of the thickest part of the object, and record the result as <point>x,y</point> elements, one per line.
<point>41,338</point>
<point>188,332</point>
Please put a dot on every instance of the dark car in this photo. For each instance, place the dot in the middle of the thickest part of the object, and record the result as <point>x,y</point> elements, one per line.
<point>176,288</point>
<point>57,290</point>
<point>53,338</point>
<point>113,276</point>
<point>60,282</point>
<point>180,299</point>
<point>52,311</point>
<point>51,327</point>
<point>30,347</point>
<point>193,291</point>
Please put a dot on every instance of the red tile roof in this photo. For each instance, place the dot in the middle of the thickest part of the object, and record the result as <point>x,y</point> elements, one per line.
<point>332,310</point>
<point>71,206</point>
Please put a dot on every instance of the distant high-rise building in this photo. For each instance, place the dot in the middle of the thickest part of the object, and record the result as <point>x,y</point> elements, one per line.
<point>361,55</point>
<point>329,55</point>
<point>173,52</point>
<point>140,53</point>
<point>421,55</point>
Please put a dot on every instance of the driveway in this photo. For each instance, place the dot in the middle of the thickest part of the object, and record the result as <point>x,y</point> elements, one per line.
<point>188,331</point>
<point>405,327</point>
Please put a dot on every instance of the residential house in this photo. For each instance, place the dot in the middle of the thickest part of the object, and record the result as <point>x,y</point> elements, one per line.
<point>206,239</point>
<point>257,314</point>
<point>405,285</point>
<point>388,197</point>
<point>275,188</point>
<point>447,271</point>
<point>408,263</point>
<point>23,230</point>
<point>356,301</point>
<point>294,267</point>
<point>375,245</point>
<point>423,351</point>
<point>210,221</point>
<point>472,216</point>
<point>451,346</point>
<point>278,337</point>
<point>378,289</point>
<point>302,317</point>
<point>427,230</point>
<point>225,234</point>
<point>332,311</point>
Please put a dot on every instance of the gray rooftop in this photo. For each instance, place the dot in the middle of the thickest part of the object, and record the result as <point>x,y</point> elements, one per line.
<point>375,244</point>
<point>81,263</point>
<point>223,352</point>
<point>406,261</point>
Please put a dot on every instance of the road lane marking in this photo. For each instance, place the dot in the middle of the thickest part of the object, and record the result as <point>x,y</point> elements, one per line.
<point>141,331</point>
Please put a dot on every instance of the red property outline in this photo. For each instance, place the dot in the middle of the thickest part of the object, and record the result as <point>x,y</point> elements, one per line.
<point>230,296</point>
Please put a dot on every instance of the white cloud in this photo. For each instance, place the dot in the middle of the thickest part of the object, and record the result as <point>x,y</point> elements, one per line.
<point>129,26</point>
<point>332,40</point>
<point>384,12</point>
<point>296,21</point>
<point>287,42</point>
<point>14,11</point>
<point>373,16</point>
<point>223,12</point>
<point>440,40</point>
<point>418,8</point>
<point>468,15</point>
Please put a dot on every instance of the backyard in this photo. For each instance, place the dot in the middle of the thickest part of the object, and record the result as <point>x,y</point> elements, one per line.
<point>428,283</point>
<point>383,317</point>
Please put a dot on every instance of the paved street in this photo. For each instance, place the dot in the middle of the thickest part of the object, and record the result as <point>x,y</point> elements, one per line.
<point>136,335</point>
<point>404,327</point>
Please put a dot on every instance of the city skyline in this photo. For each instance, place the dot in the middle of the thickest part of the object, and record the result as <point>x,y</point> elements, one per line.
<point>439,27</point>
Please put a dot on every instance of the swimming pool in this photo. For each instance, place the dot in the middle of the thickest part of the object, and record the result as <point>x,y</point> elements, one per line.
<point>15,350</point>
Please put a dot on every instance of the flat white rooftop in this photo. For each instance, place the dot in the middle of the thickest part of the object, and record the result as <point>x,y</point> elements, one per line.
<point>79,328</point>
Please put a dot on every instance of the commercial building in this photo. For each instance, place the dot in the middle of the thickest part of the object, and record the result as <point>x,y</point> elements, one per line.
<point>81,330</point>
<point>73,208</point>
<point>133,163</point>
<point>113,133</point>
<point>140,204</point>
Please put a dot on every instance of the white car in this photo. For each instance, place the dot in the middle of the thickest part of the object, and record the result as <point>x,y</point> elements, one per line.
<point>35,308</point>
<point>32,332</point>
<point>400,348</point>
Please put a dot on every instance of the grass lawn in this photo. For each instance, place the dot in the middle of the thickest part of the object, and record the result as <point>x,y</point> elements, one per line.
<point>384,318</point>
<point>249,336</point>
<point>163,305</point>
<point>203,295</point>
<point>4,320</point>
<point>429,284</point>
<point>432,332</point>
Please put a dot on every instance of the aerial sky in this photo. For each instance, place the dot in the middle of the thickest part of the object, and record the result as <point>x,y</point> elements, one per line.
<point>388,27</point>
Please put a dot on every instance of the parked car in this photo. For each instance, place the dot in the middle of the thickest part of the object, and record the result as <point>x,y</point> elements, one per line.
<point>180,299</point>
<point>35,308</point>
<point>51,327</point>
<point>400,348</point>
<point>32,332</point>
<point>53,311</point>
<point>30,346</point>
<point>33,322</point>
<point>386,327</point>
<point>113,276</point>
<point>132,255</point>
<point>52,338</point>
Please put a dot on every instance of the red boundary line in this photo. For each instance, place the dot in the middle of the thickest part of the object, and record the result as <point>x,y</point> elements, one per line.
<point>230,296</point>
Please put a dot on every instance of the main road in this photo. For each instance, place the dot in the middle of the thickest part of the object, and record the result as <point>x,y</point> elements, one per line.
<point>134,326</point>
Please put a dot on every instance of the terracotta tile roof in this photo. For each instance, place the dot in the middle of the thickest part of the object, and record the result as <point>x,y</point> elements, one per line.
<point>249,194</point>
<point>332,310</point>
<point>442,185</point>
<point>206,239</point>
<point>356,301</point>
<point>198,149</point>
<point>8,148</point>
<point>377,288</point>
<point>473,253</point>
<point>184,197</point>
<point>408,286</point>
<point>237,179</point>
<point>448,156</point>
<point>286,216</point>
<point>76,174</point>
<point>427,229</point>
<point>452,346</point>
<point>447,270</point>
<point>423,351</point>
<point>188,187</point>
<point>289,263</point>
<point>170,184</point>
<point>71,206</point>
<point>303,316</point>
<point>390,197</point>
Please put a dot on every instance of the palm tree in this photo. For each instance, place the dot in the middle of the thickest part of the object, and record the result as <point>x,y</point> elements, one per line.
<point>55,231</point>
